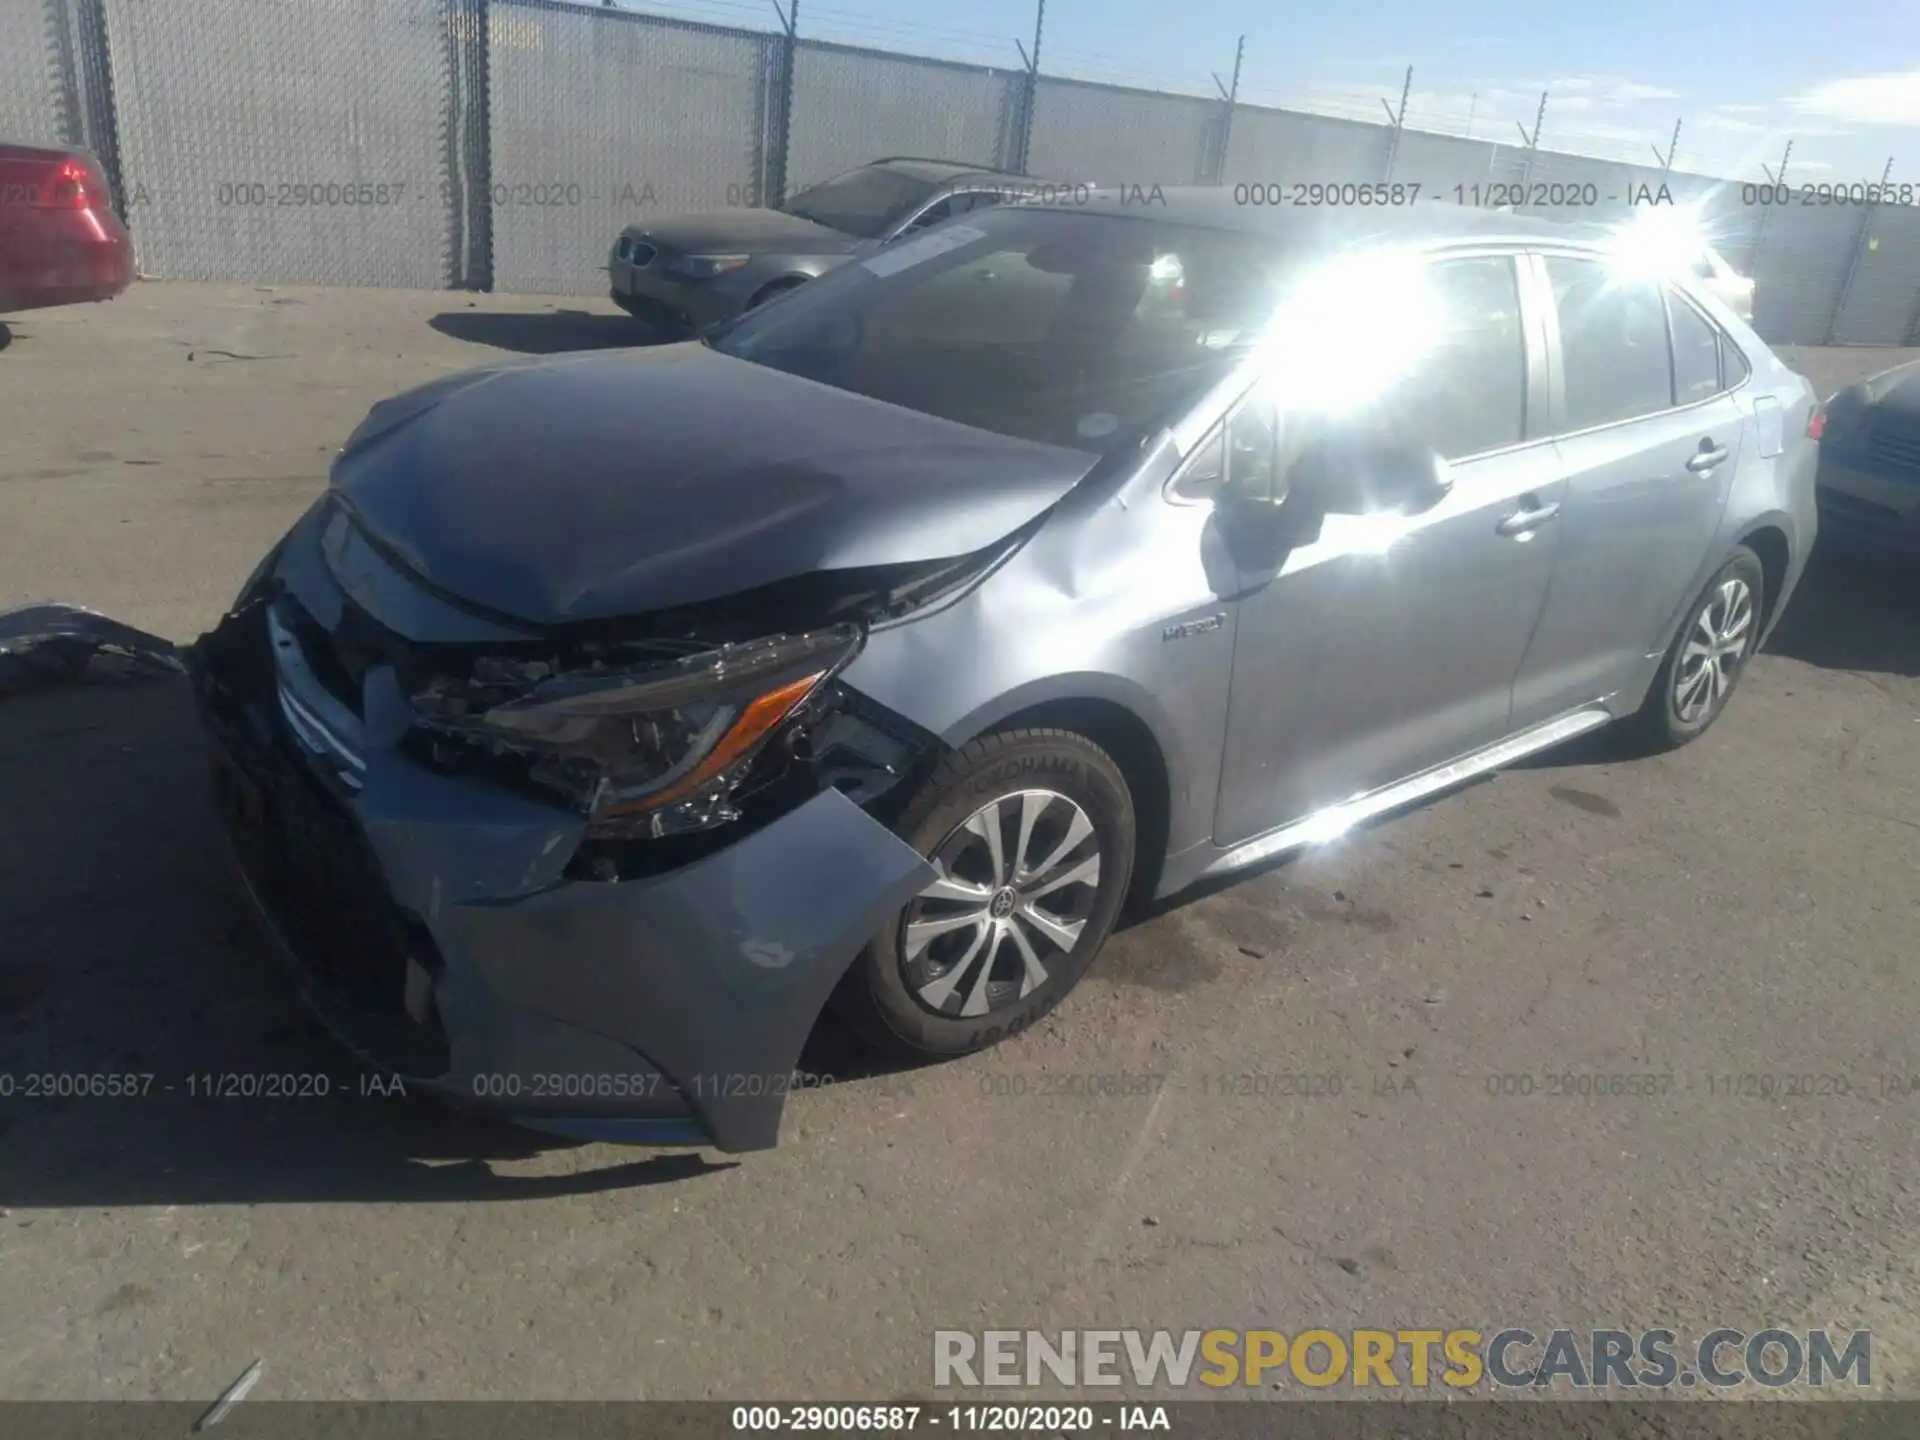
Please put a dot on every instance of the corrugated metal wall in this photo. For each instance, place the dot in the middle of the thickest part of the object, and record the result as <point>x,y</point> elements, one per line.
<point>851,106</point>
<point>598,120</point>
<point>1103,135</point>
<point>1439,163</point>
<point>255,140</point>
<point>399,142</point>
<point>1882,306</point>
<point>1802,264</point>
<point>1277,147</point>
<point>30,81</point>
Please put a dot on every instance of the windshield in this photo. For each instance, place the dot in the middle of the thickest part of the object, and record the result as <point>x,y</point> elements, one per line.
<point>866,202</point>
<point>1072,329</point>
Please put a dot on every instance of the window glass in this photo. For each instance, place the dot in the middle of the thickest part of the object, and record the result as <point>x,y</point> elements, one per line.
<point>1613,343</point>
<point>998,299</point>
<point>1468,394</point>
<point>1072,328</point>
<point>1696,354</point>
<point>1205,472</point>
<point>1734,368</point>
<point>934,214</point>
<point>864,202</point>
<point>1252,451</point>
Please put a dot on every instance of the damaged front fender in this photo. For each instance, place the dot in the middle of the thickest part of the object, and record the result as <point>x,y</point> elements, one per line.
<point>715,972</point>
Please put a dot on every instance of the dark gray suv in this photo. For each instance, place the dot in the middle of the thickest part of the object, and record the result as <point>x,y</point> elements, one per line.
<point>617,714</point>
<point>686,271</point>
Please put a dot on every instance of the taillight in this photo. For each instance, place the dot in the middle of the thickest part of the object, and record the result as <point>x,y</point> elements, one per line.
<point>67,185</point>
<point>1817,422</point>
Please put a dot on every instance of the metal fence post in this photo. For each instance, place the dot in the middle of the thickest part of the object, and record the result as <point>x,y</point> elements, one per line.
<point>1760,225</point>
<point>1673,149</point>
<point>1023,151</point>
<point>1398,120</point>
<point>86,82</point>
<point>470,146</point>
<point>780,118</point>
<point>1859,249</point>
<point>1213,168</point>
<point>1533,143</point>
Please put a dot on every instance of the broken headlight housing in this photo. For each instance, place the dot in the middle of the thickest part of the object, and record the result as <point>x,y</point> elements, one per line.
<point>652,750</point>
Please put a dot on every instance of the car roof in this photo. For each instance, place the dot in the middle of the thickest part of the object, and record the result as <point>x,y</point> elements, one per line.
<point>939,172</point>
<point>1421,222</point>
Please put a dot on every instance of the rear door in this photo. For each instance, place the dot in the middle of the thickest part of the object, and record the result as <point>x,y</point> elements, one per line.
<point>1648,435</point>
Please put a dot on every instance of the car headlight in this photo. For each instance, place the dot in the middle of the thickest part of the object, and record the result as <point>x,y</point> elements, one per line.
<point>706,267</point>
<point>650,751</point>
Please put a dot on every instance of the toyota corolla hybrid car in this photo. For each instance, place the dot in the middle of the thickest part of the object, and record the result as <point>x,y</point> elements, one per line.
<point>614,716</point>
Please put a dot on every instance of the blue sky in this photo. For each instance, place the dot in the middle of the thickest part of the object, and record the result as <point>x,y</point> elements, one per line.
<point>1842,80</point>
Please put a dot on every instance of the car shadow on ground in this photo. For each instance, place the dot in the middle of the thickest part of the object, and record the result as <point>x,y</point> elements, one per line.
<point>1854,612</point>
<point>129,952</point>
<point>545,332</point>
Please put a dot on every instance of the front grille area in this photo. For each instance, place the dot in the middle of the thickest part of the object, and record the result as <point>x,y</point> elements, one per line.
<point>317,649</point>
<point>307,858</point>
<point>1895,443</point>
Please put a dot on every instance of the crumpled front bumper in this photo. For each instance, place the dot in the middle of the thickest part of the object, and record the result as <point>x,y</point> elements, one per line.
<point>665,1010</point>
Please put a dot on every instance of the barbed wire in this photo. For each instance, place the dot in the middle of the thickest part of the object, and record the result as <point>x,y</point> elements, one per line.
<point>1499,118</point>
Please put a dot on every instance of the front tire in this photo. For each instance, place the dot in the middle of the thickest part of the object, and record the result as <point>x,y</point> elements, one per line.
<point>1032,835</point>
<point>1707,657</point>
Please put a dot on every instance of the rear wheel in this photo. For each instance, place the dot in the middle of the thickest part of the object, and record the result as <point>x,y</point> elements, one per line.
<point>1031,835</point>
<point>1707,657</point>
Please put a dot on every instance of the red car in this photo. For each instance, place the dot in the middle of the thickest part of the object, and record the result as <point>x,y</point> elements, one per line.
<point>60,241</point>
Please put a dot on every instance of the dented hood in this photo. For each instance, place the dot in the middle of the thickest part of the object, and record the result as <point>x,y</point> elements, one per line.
<point>625,481</point>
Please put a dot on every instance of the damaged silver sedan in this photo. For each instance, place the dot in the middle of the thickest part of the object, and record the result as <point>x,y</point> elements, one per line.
<point>614,717</point>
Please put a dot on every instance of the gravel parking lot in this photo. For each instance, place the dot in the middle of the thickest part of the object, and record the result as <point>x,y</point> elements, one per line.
<point>1742,908</point>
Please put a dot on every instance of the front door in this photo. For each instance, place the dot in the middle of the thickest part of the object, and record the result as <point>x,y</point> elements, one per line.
<point>1390,644</point>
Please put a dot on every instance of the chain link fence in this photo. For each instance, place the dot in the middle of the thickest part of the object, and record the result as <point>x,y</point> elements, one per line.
<point>502,144</point>
<point>271,143</point>
<point>597,120</point>
<point>1104,135</point>
<point>31,88</point>
<point>851,106</point>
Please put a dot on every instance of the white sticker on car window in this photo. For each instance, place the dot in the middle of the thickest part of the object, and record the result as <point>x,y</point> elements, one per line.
<point>1097,426</point>
<point>902,256</point>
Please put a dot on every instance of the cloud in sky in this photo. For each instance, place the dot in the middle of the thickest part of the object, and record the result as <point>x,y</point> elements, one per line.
<point>1865,99</point>
<point>1613,117</point>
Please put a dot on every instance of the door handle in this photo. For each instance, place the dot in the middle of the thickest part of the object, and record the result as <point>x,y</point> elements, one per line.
<point>1708,456</point>
<point>1523,523</point>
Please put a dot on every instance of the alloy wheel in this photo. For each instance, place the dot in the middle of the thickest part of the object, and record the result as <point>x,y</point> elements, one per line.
<point>1715,648</point>
<point>1013,887</point>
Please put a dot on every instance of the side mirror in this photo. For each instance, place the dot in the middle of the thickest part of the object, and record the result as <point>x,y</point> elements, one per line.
<point>1366,472</point>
